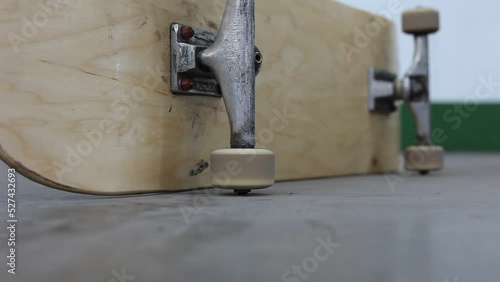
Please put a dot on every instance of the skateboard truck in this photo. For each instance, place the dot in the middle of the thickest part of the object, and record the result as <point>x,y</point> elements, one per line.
<point>386,89</point>
<point>207,64</point>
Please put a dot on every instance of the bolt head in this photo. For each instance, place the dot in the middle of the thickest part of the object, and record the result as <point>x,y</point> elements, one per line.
<point>187,32</point>
<point>242,192</point>
<point>187,84</point>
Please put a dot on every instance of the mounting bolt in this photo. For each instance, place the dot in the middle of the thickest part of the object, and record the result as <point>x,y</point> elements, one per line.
<point>187,32</point>
<point>187,84</point>
<point>258,57</point>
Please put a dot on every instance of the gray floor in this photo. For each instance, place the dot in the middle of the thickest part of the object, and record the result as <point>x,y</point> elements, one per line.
<point>443,227</point>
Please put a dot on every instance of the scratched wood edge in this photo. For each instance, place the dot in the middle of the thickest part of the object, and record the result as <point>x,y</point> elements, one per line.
<point>34,176</point>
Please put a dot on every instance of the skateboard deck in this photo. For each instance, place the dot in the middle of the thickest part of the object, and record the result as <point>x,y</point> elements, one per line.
<point>86,104</point>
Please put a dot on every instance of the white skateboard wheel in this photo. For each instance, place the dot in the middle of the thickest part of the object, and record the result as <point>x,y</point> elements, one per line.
<point>242,170</point>
<point>424,158</point>
<point>421,21</point>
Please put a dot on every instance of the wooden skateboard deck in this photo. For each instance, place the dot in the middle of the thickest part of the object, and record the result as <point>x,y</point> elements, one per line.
<point>86,103</point>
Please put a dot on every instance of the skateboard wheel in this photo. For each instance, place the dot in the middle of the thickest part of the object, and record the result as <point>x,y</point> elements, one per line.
<point>242,170</point>
<point>421,21</point>
<point>424,158</point>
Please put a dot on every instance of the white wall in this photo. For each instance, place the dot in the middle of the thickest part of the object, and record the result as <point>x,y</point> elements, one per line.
<point>466,48</point>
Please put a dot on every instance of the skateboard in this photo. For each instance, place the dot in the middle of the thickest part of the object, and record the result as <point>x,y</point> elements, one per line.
<point>128,96</point>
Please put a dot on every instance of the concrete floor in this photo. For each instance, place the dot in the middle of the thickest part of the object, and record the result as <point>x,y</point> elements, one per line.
<point>443,227</point>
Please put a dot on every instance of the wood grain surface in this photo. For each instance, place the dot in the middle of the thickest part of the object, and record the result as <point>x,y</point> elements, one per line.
<point>86,107</point>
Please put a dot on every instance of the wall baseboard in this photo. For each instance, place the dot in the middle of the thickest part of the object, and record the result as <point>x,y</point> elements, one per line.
<point>458,127</point>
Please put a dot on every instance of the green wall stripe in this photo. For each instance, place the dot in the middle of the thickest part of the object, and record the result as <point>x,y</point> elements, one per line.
<point>459,127</point>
